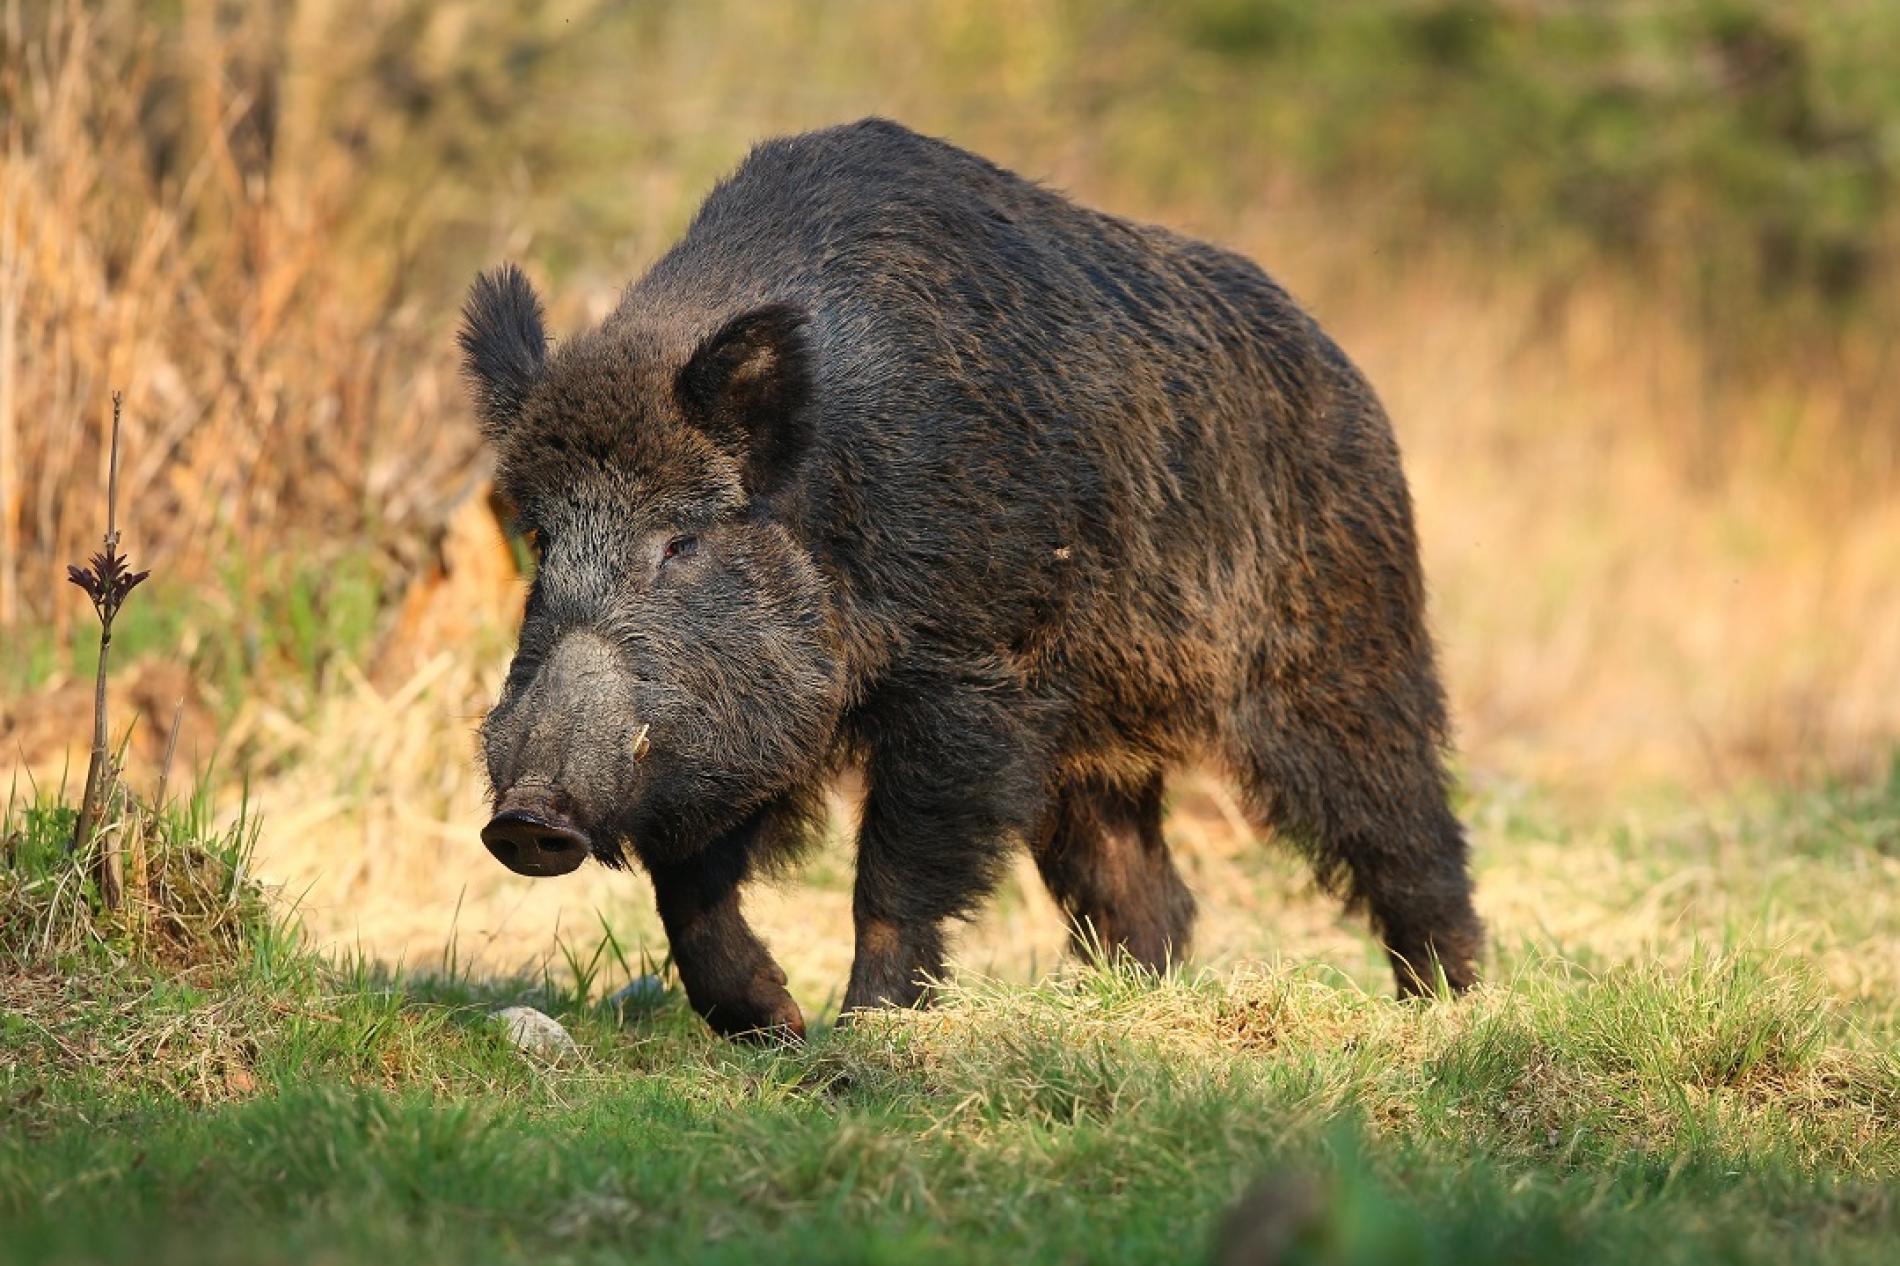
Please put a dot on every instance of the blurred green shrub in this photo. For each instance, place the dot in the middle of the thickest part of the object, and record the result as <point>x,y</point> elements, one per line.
<point>1742,153</point>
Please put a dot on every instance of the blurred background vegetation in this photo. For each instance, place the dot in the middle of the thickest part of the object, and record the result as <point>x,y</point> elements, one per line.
<point>1624,270</point>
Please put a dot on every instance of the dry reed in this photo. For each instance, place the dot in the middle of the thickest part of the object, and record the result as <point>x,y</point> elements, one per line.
<point>152,235</point>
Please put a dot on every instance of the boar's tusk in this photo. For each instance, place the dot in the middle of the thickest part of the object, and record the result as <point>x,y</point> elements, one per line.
<point>640,744</point>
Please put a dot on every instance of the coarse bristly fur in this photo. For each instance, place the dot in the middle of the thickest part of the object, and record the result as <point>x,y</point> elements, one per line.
<point>900,460</point>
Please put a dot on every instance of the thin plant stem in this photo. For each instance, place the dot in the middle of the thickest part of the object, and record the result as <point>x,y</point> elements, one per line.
<point>171,750</point>
<point>106,581</point>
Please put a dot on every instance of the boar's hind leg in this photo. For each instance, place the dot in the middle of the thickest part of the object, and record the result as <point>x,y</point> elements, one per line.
<point>729,975</point>
<point>1420,901</point>
<point>952,785</point>
<point>1375,821</point>
<point>1107,865</point>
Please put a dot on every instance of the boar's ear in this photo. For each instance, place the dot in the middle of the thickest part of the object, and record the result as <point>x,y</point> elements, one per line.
<point>747,386</point>
<point>504,345</point>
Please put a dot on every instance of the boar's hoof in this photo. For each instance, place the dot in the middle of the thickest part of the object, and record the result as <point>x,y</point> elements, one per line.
<point>534,843</point>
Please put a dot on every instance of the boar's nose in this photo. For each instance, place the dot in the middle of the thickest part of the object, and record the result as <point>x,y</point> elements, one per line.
<point>535,841</point>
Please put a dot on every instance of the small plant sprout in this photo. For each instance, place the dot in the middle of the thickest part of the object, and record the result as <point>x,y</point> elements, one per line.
<point>107,579</point>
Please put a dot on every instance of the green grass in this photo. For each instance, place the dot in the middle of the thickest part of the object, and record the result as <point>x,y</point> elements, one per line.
<point>212,1091</point>
<point>284,617</point>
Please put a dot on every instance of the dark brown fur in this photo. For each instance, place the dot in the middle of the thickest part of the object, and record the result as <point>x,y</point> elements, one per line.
<point>1012,504</point>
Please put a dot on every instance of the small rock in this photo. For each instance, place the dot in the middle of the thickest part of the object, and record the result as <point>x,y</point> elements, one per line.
<point>591,1213</point>
<point>642,993</point>
<point>536,1033</point>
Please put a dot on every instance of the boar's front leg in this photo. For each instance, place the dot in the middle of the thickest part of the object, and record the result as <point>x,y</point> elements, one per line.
<point>730,977</point>
<point>953,783</point>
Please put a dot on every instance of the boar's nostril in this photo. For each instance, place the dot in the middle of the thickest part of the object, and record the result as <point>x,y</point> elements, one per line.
<point>536,843</point>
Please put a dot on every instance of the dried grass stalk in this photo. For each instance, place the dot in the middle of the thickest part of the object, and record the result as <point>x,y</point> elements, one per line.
<point>107,580</point>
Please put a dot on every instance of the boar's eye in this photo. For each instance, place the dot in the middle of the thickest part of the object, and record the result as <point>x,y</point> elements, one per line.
<point>678,547</point>
<point>530,544</point>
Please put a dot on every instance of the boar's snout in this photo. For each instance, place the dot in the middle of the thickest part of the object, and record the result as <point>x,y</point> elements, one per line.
<point>561,760</point>
<point>534,839</point>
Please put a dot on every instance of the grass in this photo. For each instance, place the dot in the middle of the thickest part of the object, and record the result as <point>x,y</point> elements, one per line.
<point>211,1089</point>
<point>286,616</point>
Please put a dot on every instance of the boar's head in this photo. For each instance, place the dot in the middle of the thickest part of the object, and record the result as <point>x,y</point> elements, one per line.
<point>675,668</point>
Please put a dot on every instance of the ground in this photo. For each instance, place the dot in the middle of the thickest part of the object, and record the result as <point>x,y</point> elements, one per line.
<point>1689,1050</point>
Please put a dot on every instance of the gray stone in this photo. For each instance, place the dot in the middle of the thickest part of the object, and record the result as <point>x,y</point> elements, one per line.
<point>536,1033</point>
<point>639,995</point>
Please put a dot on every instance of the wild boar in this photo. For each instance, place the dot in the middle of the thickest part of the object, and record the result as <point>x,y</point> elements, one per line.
<point>901,462</point>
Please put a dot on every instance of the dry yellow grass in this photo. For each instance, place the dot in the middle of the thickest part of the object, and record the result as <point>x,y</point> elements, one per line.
<point>152,240</point>
<point>373,828</point>
<point>1614,607</point>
